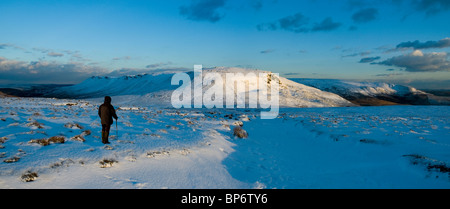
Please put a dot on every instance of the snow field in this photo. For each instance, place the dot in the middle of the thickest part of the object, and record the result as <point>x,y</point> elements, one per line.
<point>341,147</point>
<point>354,147</point>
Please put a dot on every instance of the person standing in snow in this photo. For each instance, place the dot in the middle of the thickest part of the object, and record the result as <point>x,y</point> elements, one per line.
<point>106,112</point>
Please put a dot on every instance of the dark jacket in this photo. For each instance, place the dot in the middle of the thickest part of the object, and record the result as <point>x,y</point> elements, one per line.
<point>106,112</point>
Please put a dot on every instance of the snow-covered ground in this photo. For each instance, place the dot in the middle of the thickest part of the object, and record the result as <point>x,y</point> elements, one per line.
<point>347,147</point>
<point>152,148</point>
<point>335,147</point>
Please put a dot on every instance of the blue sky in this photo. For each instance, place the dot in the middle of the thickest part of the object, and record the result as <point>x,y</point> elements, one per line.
<point>400,41</point>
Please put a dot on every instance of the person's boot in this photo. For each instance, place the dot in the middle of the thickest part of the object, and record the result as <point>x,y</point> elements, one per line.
<point>105,137</point>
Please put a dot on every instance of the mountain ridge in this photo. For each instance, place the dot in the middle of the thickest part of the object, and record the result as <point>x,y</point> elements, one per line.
<point>157,88</point>
<point>375,93</point>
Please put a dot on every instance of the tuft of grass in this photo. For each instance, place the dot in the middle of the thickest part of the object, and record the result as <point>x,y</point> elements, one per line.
<point>12,159</point>
<point>78,138</point>
<point>106,163</point>
<point>3,139</point>
<point>29,176</point>
<point>62,163</point>
<point>239,132</point>
<point>57,139</point>
<point>157,153</point>
<point>73,126</point>
<point>45,142</point>
<point>35,124</point>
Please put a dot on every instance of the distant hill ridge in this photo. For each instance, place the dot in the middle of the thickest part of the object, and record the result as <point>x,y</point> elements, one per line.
<point>156,88</point>
<point>375,93</point>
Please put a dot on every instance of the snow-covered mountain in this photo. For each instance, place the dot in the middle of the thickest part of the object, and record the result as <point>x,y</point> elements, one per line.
<point>374,93</point>
<point>156,88</point>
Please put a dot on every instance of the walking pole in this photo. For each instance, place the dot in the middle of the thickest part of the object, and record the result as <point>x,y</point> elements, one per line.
<point>117,131</point>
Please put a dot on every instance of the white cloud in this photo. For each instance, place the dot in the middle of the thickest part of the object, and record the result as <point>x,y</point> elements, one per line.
<point>14,71</point>
<point>418,61</point>
<point>417,53</point>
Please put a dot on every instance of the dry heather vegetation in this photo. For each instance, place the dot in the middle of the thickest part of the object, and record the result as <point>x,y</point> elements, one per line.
<point>29,176</point>
<point>51,140</point>
<point>239,132</point>
<point>106,163</point>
